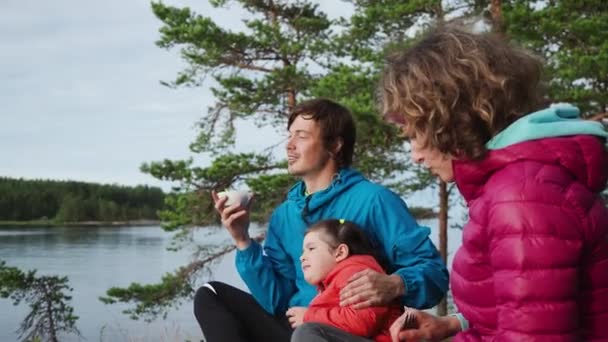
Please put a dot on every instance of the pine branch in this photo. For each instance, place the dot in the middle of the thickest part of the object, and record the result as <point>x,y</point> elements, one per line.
<point>155,300</point>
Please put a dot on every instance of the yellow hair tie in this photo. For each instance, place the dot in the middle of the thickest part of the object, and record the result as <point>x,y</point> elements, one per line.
<point>341,221</point>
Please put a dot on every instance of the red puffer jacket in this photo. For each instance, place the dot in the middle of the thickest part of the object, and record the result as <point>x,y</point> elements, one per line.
<point>533,265</point>
<point>372,322</point>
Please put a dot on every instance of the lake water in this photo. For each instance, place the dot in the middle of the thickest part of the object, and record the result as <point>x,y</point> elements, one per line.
<point>96,259</point>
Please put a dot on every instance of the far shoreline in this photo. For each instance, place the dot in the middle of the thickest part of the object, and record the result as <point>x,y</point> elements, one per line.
<point>92,224</point>
<point>419,213</point>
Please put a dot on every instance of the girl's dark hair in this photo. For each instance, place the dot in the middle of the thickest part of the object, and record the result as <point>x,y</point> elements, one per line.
<point>345,232</point>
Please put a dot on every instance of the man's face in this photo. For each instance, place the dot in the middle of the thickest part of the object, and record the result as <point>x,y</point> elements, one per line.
<point>306,154</point>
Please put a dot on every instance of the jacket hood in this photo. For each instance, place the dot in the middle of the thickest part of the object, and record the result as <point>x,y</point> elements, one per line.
<point>557,121</point>
<point>367,261</point>
<point>584,156</point>
<point>342,181</point>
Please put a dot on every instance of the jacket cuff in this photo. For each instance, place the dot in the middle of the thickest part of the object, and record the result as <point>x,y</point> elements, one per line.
<point>411,288</point>
<point>247,253</point>
<point>464,324</point>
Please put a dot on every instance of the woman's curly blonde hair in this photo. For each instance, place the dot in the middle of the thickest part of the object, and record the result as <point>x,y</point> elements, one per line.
<point>456,89</point>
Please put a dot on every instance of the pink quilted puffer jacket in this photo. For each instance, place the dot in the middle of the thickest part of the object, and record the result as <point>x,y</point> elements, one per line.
<point>533,265</point>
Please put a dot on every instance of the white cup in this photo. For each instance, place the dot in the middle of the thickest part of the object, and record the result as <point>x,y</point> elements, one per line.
<point>241,197</point>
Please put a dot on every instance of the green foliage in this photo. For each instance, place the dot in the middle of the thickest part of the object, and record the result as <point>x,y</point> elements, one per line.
<point>376,23</point>
<point>50,312</point>
<point>151,300</point>
<point>13,282</point>
<point>191,205</point>
<point>155,300</point>
<point>259,72</point>
<point>67,201</point>
<point>573,38</point>
<point>71,210</point>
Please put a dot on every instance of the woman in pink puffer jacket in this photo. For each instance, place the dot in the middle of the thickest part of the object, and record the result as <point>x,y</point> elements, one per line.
<point>533,265</point>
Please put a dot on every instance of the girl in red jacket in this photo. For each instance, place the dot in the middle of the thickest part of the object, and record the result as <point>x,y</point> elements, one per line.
<point>333,251</point>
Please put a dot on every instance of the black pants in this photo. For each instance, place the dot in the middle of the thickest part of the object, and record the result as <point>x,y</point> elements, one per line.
<point>232,315</point>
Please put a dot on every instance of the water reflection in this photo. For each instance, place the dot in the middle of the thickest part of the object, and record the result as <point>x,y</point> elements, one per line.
<point>95,259</point>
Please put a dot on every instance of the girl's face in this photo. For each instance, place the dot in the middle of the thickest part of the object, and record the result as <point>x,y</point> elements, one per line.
<point>318,257</point>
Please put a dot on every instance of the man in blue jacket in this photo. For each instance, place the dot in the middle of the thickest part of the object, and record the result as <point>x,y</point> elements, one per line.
<point>319,151</point>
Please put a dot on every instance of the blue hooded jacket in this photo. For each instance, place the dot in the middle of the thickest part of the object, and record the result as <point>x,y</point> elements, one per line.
<point>274,275</point>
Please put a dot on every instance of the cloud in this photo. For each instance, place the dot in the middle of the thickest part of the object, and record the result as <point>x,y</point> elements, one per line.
<point>80,90</point>
<point>81,93</point>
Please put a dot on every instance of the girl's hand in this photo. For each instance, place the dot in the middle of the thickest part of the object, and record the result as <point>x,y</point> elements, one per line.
<point>295,315</point>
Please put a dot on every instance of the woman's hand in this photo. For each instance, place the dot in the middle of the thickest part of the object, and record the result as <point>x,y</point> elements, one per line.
<point>295,315</point>
<point>370,288</point>
<point>423,327</point>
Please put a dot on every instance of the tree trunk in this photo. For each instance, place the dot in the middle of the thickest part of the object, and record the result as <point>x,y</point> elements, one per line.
<point>291,100</point>
<point>442,308</point>
<point>498,21</point>
<point>48,302</point>
<point>599,117</point>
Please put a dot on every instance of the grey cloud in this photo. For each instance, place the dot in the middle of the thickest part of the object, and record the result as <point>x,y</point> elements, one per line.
<point>80,90</point>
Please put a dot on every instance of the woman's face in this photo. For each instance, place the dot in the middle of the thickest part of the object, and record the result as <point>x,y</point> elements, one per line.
<point>439,164</point>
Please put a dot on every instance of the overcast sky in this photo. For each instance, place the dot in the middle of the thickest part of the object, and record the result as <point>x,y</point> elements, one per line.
<point>80,96</point>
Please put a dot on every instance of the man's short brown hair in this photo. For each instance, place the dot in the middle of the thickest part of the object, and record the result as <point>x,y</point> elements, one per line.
<point>336,123</point>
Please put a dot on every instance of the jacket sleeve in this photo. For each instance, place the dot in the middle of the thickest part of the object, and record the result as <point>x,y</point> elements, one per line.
<point>534,251</point>
<point>409,250</point>
<point>361,322</point>
<point>269,272</point>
